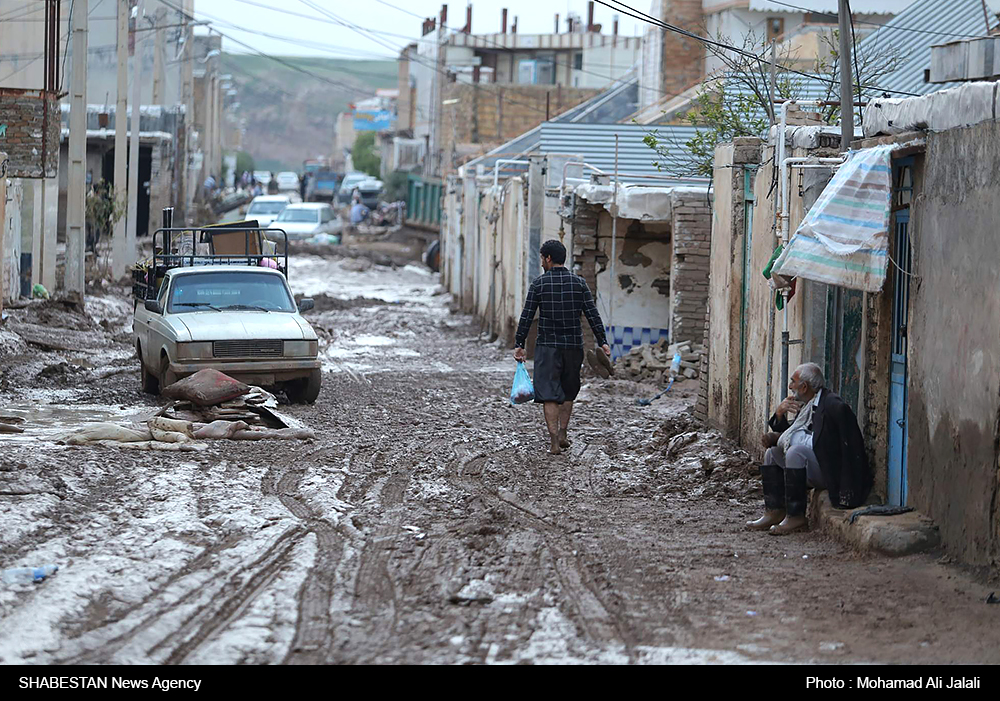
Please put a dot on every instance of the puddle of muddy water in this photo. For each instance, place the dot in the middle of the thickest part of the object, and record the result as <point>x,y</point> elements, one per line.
<point>48,413</point>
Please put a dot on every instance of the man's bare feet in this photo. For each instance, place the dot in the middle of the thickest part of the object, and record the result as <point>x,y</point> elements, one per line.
<point>554,447</point>
<point>564,442</point>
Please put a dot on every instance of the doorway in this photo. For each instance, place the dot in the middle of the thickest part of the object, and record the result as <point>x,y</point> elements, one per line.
<point>898,370</point>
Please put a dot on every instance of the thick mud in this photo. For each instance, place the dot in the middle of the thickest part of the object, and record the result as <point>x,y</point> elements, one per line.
<point>425,523</point>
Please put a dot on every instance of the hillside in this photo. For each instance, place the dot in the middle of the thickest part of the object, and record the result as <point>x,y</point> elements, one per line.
<point>289,115</point>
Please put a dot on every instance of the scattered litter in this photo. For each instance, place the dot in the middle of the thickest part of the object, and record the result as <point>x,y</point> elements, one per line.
<point>751,613</point>
<point>722,578</point>
<point>29,575</point>
<point>805,557</point>
<point>877,510</point>
<point>831,646</point>
<point>38,291</point>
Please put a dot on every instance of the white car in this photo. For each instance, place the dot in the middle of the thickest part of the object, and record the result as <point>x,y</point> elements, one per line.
<point>304,220</point>
<point>262,176</point>
<point>266,208</point>
<point>287,180</point>
<point>240,320</point>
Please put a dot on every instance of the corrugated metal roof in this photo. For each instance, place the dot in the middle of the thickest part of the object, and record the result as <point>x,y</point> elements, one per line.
<point>596,143</point>
<point>617,102</point>
<point>937,22</point>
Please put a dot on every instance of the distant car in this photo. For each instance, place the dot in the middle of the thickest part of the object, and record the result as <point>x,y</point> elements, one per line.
<point>266,208</point>
<point>262,176</point>
<point>287,180</point>
<point>348,184</point>
<point>370,191</point>
<point>306,219</point>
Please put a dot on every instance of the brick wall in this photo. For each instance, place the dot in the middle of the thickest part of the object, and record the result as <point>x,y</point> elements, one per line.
<point>683,57</point>
<point>488,114</point>
<point>25,115</point>
<point>692,235</point>
<point>586,254</point>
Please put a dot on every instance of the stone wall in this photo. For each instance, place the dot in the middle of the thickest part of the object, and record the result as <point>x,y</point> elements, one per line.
<point>29,132</point>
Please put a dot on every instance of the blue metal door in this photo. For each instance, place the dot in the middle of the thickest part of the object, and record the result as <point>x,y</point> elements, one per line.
<point>900,313</point>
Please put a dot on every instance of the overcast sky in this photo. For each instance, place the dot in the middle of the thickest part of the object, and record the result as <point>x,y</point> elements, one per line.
<point>321,36</point>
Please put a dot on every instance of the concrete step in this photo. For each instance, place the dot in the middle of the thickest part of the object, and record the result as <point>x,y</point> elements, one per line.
<point>901,534</point>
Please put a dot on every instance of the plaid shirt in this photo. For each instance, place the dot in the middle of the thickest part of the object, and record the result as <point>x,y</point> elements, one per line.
<point>560,296</point>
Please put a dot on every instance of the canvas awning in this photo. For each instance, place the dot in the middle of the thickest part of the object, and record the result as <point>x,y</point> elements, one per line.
<point>844,239</point>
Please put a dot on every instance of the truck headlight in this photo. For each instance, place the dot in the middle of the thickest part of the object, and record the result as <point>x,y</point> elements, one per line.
<point>302,348</point>
<point>201,350</point>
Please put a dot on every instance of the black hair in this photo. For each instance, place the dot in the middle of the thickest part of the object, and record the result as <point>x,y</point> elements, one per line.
<point>554,250</point>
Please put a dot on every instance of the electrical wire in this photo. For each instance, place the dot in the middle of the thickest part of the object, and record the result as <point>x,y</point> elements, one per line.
<point>631,12</point>
<point>857,69</point>
<point>885,25</point>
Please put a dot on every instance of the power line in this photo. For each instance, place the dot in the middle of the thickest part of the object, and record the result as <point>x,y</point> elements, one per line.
<point>885,25</point>
<point>631,12</point>
<point>292,66</point>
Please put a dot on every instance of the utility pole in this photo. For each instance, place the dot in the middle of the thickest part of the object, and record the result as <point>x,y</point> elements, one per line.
<point>76,195</point>
<point>3,228</point>
<point>158,76</point>
<point>771,83</point>
<point>846,87</point>
<point>118,256</point>
<point>133,155</point>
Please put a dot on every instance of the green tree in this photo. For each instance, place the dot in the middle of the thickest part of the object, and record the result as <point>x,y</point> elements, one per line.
<point>365,154</point>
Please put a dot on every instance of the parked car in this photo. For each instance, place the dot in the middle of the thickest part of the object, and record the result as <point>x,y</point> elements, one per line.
<point>306,219</point>
<point>347,186</point>
<point>230,314</point>
<point>266,208</point>
<point>287,180</point>
<point>370,191</point>
<point>262,176</point>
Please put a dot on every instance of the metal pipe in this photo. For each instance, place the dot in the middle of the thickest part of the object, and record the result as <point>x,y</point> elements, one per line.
<point>496,167</point>
<point>614,251</point>
<point>566,166</point>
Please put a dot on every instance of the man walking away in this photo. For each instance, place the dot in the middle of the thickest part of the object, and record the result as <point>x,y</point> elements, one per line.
<point>560,297</point>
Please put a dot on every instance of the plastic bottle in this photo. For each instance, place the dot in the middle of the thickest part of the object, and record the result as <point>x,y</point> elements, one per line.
<point>28,575</point>
<point>675,366</point>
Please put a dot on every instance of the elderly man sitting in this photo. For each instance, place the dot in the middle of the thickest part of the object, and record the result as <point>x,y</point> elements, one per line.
<point>821,448</point>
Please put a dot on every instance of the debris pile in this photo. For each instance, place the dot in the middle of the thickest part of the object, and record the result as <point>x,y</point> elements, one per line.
<point>651,362</point>
<point>184,424</point>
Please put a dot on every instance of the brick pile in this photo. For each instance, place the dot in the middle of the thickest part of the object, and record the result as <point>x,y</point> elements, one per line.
<point>651,362</point>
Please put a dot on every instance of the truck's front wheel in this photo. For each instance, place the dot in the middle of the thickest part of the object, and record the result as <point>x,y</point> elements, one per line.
<point>306,390</point>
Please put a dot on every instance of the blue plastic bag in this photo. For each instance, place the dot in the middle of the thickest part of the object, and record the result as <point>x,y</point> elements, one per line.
<point>522,391</point>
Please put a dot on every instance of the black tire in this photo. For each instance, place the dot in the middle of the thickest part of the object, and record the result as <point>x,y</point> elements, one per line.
<point>433,257</point>
<point>150,382</point>
<point>306,390</point>
<point>167,377</point>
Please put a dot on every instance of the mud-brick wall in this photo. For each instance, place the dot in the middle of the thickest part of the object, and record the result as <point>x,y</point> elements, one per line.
<point>692,235</point>
<point>26,132</point>
<point>954,343</point>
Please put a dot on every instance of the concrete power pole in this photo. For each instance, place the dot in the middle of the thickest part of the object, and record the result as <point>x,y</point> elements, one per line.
<point>846,87</point>
<point>118,257</point>
<point>133,155</point>
<point>158,75</point>
<point>76,195</point>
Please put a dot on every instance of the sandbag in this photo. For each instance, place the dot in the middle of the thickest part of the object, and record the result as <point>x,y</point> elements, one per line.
<point>220,429</point>
<point>105,431</point>
<point>276,433</point>
<point>163,424</point>
<point>206,387</point>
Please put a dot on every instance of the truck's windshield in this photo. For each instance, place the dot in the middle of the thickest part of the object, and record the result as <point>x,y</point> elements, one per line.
<point>300,216</point>
<point>229,290</point>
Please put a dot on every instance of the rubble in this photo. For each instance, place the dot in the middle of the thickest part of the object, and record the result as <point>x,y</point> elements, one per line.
<point>651,362</point>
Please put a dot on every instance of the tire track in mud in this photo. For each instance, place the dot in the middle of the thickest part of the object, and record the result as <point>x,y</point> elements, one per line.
<point>596,620</point>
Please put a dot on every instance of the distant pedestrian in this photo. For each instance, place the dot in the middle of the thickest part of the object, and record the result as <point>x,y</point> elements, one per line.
<point>560,297</point>
<point>272,185</point>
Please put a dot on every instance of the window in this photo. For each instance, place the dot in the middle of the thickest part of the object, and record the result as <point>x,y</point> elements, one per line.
<point>301,216</point>
<point>225,290</point>
<point>775,28</point>
<point>578,61</point>
<point>527,72</point>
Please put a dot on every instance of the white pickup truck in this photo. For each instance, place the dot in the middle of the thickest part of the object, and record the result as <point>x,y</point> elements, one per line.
<point>231,312</point>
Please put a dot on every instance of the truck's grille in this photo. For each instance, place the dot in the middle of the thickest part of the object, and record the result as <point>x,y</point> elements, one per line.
<point>247,349</point>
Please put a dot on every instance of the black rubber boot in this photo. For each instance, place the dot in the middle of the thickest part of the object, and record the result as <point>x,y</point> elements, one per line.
<point>795,503</point>
<point>774,498</point>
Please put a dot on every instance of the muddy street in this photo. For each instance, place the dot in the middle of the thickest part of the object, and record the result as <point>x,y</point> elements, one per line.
<point>424,523</point>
